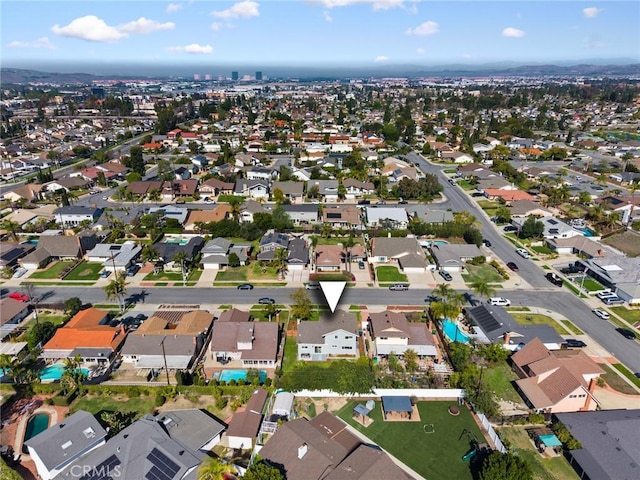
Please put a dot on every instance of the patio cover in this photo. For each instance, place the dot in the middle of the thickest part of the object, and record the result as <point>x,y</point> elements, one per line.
<point>396,404</point>
<point>550,441</point>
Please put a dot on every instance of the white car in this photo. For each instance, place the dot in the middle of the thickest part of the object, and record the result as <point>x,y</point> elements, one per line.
<point>522,252</point>
<point>605,294</point>
<point>601,313</point>
<point>503,302</point>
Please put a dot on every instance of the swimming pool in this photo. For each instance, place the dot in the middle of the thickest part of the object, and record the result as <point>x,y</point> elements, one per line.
<point>587,232</point>
<point>178,240</point>
<point>54,372</point>
<point>453,332</point>
<point>37,424</point>
<point>228,375</point>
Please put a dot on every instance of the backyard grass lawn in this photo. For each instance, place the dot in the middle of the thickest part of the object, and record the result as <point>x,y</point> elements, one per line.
<point>290,354</point>
<point>485,273</point>
<point>254,271</point>
<point>630,316</point>
<point>52,271</point>
<point>573,210</point>
<point>432,455</point>
<point>556,468</point>
<point>617,383</point>
<point>85,271</point>
<point>193,276</point>
<point>538,319</point>
<point>499,378</point>
<point>96,403</point>
<point>390,274</point>
<point>336,240</point>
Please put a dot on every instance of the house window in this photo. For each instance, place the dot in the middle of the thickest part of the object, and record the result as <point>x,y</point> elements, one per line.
<point>347,348</point>
<point>317,350</point>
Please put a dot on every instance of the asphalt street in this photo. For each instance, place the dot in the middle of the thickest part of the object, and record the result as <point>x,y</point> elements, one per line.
<point>563,302</point>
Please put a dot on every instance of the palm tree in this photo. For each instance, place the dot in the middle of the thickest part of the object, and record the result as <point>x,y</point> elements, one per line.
<point>117,289</point>
<point>12,227</point>
<point>72,377</point>
<point>314,244</point>
<point>483,288</point>
<point>236,208</point>
<point>151,254</point>
<point>12,368</point>
<point>347,244</point>
<point>214,469</point>
<point>154,195</point>
<point>280,261</point>
<point>183,259</point>
<point>443,291</point>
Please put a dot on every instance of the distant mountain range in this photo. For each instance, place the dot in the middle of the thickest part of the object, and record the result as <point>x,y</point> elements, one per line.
<point>622,67</point>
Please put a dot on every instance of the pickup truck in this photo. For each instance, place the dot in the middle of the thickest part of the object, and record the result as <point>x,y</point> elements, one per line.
<point>553,278</point>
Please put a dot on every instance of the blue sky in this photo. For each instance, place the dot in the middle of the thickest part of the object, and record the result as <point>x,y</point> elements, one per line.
<point>317,32</point>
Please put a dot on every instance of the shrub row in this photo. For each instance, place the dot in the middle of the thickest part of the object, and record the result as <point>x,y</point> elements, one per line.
<point>503,273</point>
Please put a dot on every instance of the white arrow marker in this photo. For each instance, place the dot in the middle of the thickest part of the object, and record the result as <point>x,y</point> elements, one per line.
<point>332,292</point>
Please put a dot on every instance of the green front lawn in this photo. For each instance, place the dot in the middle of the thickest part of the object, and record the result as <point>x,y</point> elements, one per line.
<point>85,271</point>
<point>193,276</point>
<point>389,273</point>
<point>632,317</point>
<point>627,373</point>
<point>538,319</point>
<point>336,240</point>
<point>466,185</point>
<point>617,383</point>
<point>543,250</point>
<point>499,378</point>
<point>591,285</point>
<point>556,468</point>
<point>482,273</point>
<point>330,277</point>
<point>51,271</point>
<point>253,271</point>
<point>260,315</point>
<point>432,455</point>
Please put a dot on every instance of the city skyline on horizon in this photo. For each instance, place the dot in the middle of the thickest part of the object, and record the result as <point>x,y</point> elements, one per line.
<point>316,33</point>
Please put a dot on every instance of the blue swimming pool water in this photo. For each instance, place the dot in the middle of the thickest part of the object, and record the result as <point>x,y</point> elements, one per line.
<point>453,332</point>
<point>37,424</point>
<point>587,232</point>
<point>54,372</point>
<point>32,241</point>
<point>228,375</point>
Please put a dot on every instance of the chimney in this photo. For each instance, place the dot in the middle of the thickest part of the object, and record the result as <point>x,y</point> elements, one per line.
<point>507,337</point>
<point>302,451</point>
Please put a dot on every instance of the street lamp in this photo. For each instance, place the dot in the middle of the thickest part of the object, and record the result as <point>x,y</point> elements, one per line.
<point>164,356</point>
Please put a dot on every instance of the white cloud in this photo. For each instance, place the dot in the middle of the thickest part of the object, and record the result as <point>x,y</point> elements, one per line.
<point>173,7</point>
<point>42,42</point>
<point>216,26</point>
<point>246,9</point>
<point>327,16</point>
<point>144,25</point>
<point>591,12</point>
<point>426,28</point>
<point>387,4</point>
<point>420,51</point>
<point>513,32</point>
<point>381,58</point>
<point>594,42</point>
<point>377,5</point>
<point>89,28</point>
<point>193,49</point>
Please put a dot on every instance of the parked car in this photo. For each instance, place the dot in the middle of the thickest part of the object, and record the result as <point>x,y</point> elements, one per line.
<point>571,268</point>
<point>522,252</point>
<point>613,301</point>
<point>626,333</point>
<point>105,273</point>
<point>600,313</point>
<point>510,228</point>
<point>132,270</point>
<point>20,297</point>
<point>555,279</point>
<point>266,301</point>
<point>19,272</point>
<point>573,343</point>
<point>399,287</point>
<point>513,266</point>
<point>486,242</point>
<point>361,265</point>
<point>245,286</point>
<point>105,197</point>
<point>312,286</point>
<point>501,301</point>
<point>452,182</point>
<point>605,294</point>
<point>446,275</point>
<point>364,202</point>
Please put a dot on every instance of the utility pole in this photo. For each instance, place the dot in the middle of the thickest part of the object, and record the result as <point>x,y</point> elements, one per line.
<point>164,355</point>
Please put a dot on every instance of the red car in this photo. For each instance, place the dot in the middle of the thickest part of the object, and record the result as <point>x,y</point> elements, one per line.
<point>513,266</point>
<point>20,297</point>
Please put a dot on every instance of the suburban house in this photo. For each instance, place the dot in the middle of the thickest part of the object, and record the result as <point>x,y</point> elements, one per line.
<point>493,324</point>
<point>553,227</point>
<point>579,245</point>
<point>245,425</point>
<point>617,272</point>
<point>407,253</point>
<point>31,192</point>
<point>292,191</point>
<point>87,334</point>
<point>357,189</point>
<point>387,217</point>
<point>260,172</point>
<point>525,208</point>
<point>508,196</point>
<point>269,243</point>
<point>298,254</point>
<point>170,445</point>
<point>252,188</point>
<point>214,187</point>
<point>215,253</point>
<point>252,344</point>
<point>323,449</point>
<point>329,258</point>
<point>495,183</point>
<point>175,212</point>
<point>558,381</point>
<point>141,188</point>
<point>427,214</point>
<point>608,442</point>
<point>248,209</point>
<point>456,157</point>
<point>114,256</point>
<point>452,257</point>
<point>197,217</point>
<point>12,312</point>
<point>12,251</point>
<point>334,336</point>
<point>302,214</point>
<point>180,188</point>
<point>168,250</point>
<point>327,189</point>
<point>60,445</point>
<point>174,337</point>
<point>391,332</point>
<point>342,216</point>
<point>73,216</point>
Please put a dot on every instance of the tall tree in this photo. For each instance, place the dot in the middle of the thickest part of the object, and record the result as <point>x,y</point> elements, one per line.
<point>301,306</point>
<point>347,244</point>
<point>184,261</point>
<point>279,261</point>
<point>483,289</point>
<point>261,471</point>
<point>116,289</point>
<point>213,469</point>
<point>505,466</point>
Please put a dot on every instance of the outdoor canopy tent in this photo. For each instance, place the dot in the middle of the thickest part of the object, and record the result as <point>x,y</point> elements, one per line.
<point>396,405</point>
<point>283,404</point>
<point>550,440</point>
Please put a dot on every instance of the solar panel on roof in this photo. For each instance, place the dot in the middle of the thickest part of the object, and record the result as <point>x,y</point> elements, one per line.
<point>552,221</point>
<point>104,470</point>
<point>163,467</point>
<point>334,215</point>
